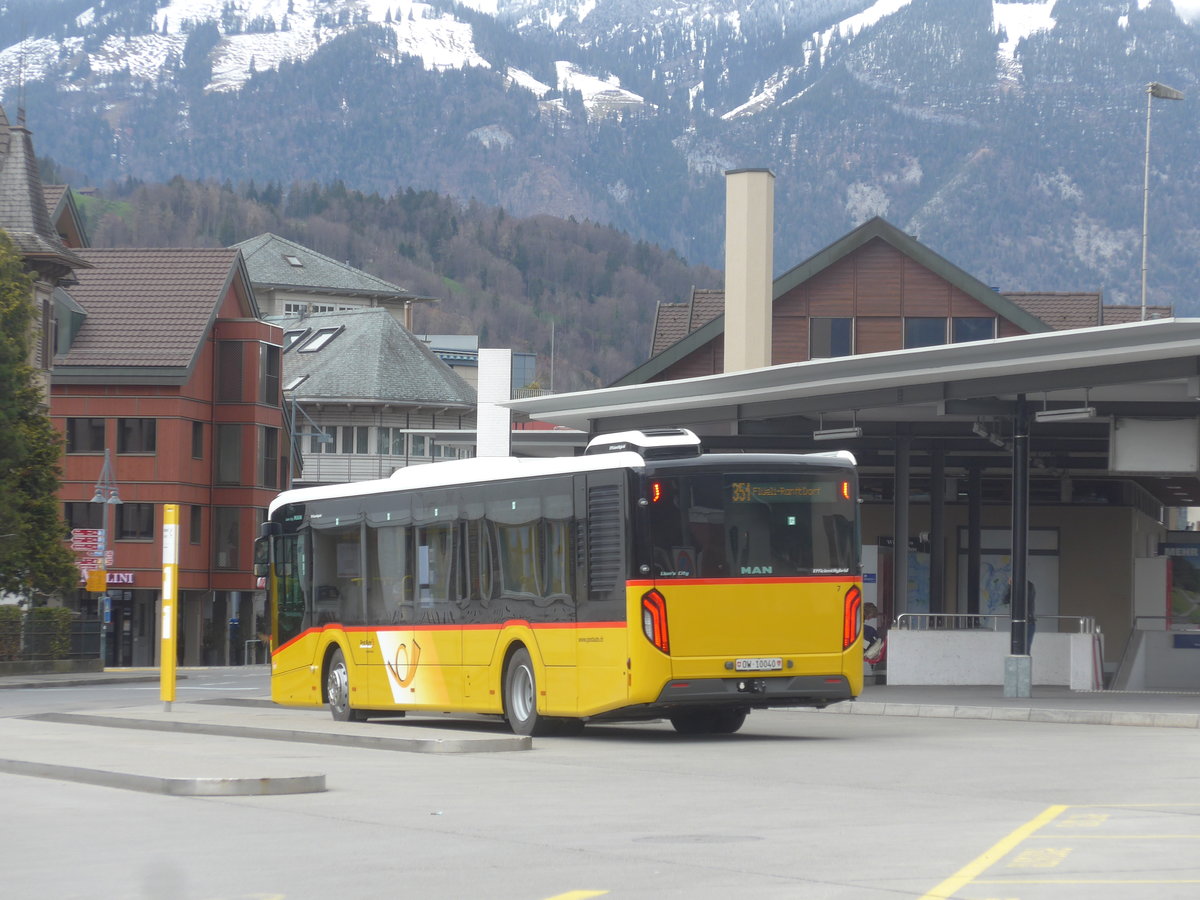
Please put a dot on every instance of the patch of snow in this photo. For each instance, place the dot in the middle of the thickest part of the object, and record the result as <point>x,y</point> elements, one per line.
<point>492,136</point>
<point>865,200</point>
<point>764,98</point>
<point>620,192</point>
<point>601,96</point>
<point>852,25</point>
<point>1098,247</point>
<point>1058,186</point>
<point>584,9</point>
<point>527,81</point>
<point>1020,20</point>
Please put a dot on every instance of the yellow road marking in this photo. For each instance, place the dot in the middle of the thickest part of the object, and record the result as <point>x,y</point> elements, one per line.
<point>997,851</point>
<point>577,895</point>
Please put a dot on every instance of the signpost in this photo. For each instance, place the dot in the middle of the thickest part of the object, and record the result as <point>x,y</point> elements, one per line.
<point>170,590</point>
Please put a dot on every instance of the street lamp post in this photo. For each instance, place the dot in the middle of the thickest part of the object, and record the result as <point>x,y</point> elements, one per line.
<point>1162,92</point>
<point>106,493</point>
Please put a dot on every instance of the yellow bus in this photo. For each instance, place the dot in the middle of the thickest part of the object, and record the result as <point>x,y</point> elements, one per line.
<point>642,580</point>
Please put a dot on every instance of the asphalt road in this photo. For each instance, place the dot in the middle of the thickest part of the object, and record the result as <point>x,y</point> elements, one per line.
<point>797,805</point>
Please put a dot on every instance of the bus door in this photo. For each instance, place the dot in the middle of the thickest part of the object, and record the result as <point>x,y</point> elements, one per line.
<point>601,571</point>
<point>292,606</point>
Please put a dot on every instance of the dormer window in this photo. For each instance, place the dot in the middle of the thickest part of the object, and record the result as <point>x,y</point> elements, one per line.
<point>320,339</point>
<point>293,261</point>
<point>291,338</point>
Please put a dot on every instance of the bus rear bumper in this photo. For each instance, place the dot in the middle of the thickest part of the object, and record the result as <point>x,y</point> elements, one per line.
<point>744,692</point>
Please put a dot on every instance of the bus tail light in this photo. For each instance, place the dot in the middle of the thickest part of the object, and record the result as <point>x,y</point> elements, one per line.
<point>654,620</point>
<point>852,606</point>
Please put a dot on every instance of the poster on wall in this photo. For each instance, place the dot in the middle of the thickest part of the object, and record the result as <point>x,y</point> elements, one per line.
<point>995,574</point>
<point>1183,584</point>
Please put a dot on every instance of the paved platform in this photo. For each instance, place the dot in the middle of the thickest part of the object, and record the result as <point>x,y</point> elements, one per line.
<point>1156,709</point>
<point>151,748</point>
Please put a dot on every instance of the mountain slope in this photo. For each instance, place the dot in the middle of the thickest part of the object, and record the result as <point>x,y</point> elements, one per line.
<point>1009,137</point>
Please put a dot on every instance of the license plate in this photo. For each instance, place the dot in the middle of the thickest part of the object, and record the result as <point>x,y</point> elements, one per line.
<point>759,664</point>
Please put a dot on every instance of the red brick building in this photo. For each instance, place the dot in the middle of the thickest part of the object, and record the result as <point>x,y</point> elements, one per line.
<point>163,362</point>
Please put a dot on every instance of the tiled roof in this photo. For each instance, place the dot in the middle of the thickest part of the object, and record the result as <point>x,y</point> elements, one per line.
<point>53,193</point>
<point>1061,311</point>
<point>670,325</point>
<point>706,305</point>
<point>1119,315</point>
<point>267,262</point>
<point>148,308</point>
<point>675,321</point>
<point>23,211</point>
<point>1064,311</point>
<point>374,359</point>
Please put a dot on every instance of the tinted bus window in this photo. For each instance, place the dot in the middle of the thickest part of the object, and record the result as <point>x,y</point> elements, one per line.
<point>751,525</point>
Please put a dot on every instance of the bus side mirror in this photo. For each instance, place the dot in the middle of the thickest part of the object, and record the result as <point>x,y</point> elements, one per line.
<point>262,557</point>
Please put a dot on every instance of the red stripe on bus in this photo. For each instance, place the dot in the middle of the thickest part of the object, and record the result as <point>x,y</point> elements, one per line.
<point>541,626</point>
<point>800,579</point>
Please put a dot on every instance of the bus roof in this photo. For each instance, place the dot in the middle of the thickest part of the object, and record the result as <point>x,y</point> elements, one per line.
<point>499,468</point>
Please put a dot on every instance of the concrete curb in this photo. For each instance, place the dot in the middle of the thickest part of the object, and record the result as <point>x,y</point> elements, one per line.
<point>1021,714</point>
<point>179,787</point>
<point>15,682</point>
<point>340,739</point>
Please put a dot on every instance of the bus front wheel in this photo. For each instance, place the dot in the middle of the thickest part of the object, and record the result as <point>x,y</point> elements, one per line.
<point>520,696</point>
<point>337,690</point>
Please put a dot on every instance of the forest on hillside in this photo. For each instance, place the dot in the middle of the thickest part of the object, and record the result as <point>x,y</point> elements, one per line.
<point>524,283</point>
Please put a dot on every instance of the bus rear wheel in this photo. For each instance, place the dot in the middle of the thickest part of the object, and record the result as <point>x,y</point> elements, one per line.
<point>520,697</point>
<point>337,690</point>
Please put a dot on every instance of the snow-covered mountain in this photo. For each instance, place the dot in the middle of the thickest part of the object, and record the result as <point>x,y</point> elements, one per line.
<point>1008,135</point>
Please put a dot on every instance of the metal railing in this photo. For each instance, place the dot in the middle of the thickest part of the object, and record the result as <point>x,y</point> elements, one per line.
<point>984,622</point>
<point>1168,623</point>
<point>29,644</point>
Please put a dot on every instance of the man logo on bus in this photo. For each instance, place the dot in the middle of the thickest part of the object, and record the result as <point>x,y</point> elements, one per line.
<point>758,570</point>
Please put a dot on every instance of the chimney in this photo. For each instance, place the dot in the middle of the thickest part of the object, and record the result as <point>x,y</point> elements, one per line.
<point>749,237</point>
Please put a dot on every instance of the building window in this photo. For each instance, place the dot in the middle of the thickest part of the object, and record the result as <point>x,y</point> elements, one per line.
<point>972,328</point>
<point>924,331</point>
<point>229,372</point>
<point>830,337</point>
<point>323,439</point>
<point>268,374</point>
<point>355,439</point>
<point>226,537</point>
<point>268,457</point>
<point>391,442</point>
<point>197,440</point>
<point>195,524</point>
<point>295,309</point>
<point>84,515</point>
<point>229,454</point>
<point>418,445</point>
<point>135,521</point>
<point>135,435</point>
<point>85,435</point>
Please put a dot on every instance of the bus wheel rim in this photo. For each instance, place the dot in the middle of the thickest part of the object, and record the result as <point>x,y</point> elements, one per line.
<point>339,687</point>
<point>523,693</point>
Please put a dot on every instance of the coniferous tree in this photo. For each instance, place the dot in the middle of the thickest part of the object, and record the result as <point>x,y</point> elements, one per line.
<point>34,561</point>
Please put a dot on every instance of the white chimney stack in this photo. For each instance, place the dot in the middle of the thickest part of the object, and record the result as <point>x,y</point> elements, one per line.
<point>749,289</point>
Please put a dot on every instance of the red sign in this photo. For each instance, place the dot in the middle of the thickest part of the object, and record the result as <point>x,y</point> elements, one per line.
<point>87,538</point>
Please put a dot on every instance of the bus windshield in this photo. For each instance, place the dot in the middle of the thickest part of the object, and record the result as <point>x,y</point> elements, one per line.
<point>751,525</point>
